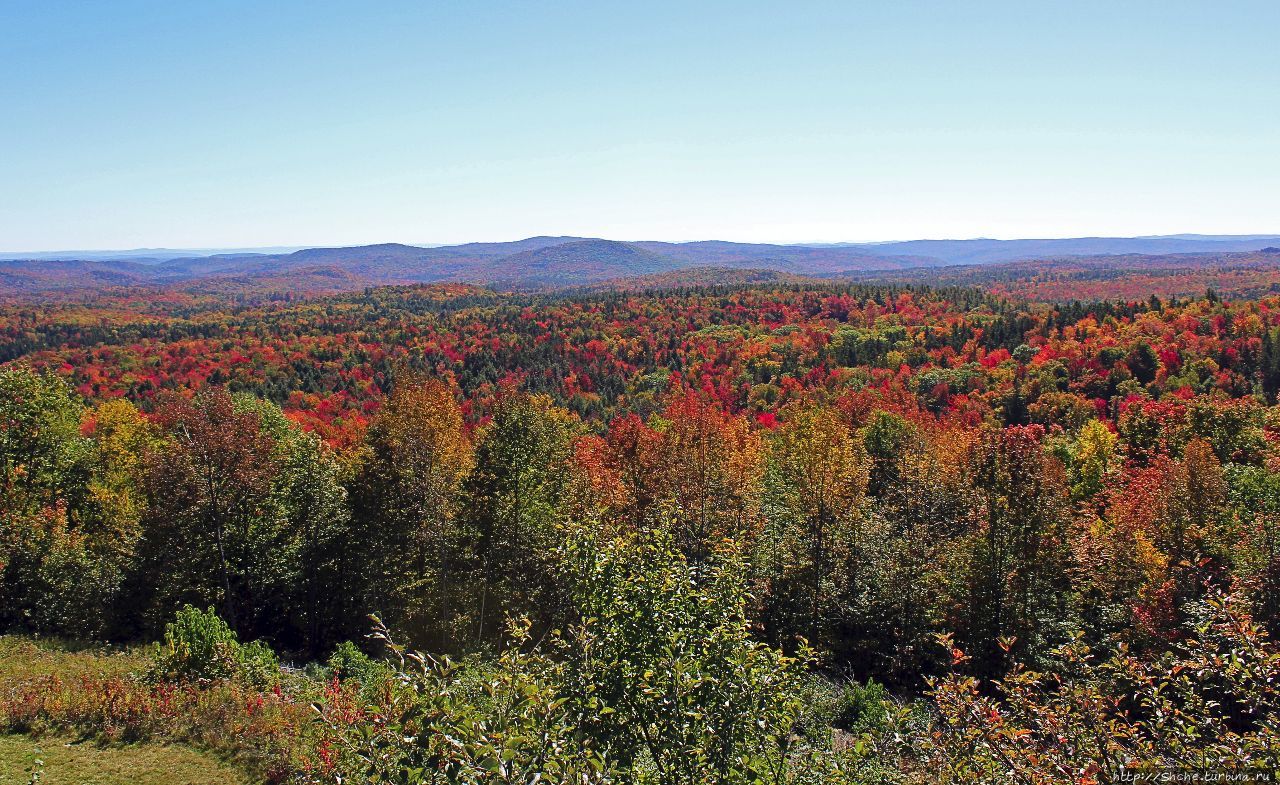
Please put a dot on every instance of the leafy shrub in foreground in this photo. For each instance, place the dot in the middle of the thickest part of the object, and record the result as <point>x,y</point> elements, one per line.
<point>657,683</point>
<point>199,646</point>
<point>1212,702</point>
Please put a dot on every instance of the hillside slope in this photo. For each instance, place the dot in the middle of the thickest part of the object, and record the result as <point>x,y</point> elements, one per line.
<point>553,262</point>
<point>986,251</point>
<point>582,261</point>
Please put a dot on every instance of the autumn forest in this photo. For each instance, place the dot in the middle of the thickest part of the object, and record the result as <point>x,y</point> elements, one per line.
<point>783,531</point>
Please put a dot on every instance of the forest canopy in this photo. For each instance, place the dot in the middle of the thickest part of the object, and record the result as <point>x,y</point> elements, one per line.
<point>847,533</point>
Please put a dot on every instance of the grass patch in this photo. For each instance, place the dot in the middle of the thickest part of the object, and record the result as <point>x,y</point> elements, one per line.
<point>24,658</point>
<point>67,763</point>
<point>100,696</point>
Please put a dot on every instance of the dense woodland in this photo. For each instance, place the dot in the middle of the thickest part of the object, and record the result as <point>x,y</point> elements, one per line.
<point>778,533</point>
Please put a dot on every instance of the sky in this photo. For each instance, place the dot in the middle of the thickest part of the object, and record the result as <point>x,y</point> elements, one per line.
<point>237,124</point>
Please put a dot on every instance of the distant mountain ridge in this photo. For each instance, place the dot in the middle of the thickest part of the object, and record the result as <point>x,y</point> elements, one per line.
<point>986,251</point>
<point>545,262</point>
<point>144,255</point>
<point>579,261</point>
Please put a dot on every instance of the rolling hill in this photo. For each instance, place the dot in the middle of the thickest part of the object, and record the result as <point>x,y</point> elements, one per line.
<point>986,251</point>
<point>1129,277</point>
<point>578,262</point>
<point>536,262</point>
<point>554,262</point>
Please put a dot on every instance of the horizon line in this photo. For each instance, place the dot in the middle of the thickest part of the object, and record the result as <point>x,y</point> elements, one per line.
<point>292,248</point>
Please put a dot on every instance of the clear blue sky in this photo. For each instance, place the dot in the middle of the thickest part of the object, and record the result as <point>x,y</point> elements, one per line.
<point>198,124</point>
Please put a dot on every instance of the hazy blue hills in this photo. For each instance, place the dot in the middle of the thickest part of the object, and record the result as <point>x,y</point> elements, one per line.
<point>579,261</point>
<point>787,258</point>
<point>983,251</point>
<point>542,262</point>
<point>142,255</point>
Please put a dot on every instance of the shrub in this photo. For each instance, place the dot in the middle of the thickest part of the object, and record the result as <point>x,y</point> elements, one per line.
<point>199,646</point>
<point>861,707</point>
<point>658,682</point>
<point>349,664</point>
<point>1211,702</point>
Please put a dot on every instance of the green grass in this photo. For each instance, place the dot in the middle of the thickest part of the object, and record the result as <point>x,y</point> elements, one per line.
<point>23,658</point>
<point>99,697</point>
<point>68,763</point>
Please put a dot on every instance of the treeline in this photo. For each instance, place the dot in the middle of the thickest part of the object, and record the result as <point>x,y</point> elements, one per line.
<point>866,523</point>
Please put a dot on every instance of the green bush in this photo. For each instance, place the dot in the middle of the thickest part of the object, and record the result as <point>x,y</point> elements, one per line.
<point>846,706</point>
<point>199,646</point>
<point>349,663</point>
<point>657,682</point>
<point>1211,702</point>
<point>861,708</point>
